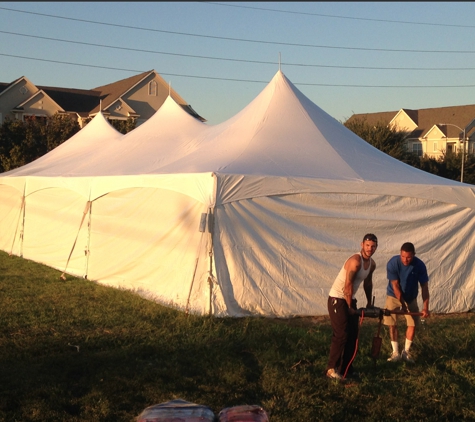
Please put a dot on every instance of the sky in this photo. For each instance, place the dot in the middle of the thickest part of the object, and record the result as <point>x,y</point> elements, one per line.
<point>346,57</point>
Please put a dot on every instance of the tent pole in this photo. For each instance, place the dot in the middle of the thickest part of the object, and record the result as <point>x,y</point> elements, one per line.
<point>20,215</point>
<point>187,308</point>
<point>86,210</point>
<point>87,251</point>
<point>210,253</point>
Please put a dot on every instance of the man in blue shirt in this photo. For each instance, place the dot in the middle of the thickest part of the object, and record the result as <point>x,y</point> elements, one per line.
<point>405,273</point>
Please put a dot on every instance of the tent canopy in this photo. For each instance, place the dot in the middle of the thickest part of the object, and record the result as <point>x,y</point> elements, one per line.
<point>85,149</point>
<point>254,216</point>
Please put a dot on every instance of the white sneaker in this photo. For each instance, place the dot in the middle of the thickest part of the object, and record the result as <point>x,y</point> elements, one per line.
<point>395,357</point>
<point>333,374</point>
<point>406,356</point>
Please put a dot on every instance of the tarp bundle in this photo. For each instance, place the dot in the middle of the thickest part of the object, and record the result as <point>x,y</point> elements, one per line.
<point>254,216</point>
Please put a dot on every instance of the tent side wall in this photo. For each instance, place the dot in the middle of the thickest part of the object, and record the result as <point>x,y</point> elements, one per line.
<point>138,233</point>
<point>278,255</point>
<point>11,218</point>
<point>149,240</point>
<point>55,233</point>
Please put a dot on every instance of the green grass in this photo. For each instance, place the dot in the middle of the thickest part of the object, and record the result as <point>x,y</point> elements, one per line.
<point>132,353</point>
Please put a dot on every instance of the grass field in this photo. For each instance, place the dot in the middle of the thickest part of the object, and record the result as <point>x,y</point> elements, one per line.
<point>77,351</point>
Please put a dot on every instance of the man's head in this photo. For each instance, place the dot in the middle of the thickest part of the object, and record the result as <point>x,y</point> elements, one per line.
<point>369,245</point>
<point>407,253</point>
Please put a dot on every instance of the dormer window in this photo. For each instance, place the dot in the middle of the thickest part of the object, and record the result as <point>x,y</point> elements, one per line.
<point>152,88</point>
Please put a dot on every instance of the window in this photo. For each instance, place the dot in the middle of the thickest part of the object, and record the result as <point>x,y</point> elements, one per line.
<point>152,88</point>
<point>435,147</point>
<point>417,149</point>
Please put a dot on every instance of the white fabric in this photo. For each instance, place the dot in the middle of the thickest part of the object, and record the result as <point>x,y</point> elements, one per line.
<point>87,148</point>
<point>281,192</point>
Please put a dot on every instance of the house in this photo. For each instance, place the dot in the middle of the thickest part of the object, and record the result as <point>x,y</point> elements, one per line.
<point>432,131</point>
<point>137,97</point>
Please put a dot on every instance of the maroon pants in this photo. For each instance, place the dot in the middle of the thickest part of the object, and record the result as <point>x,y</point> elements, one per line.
<point>345,335</point>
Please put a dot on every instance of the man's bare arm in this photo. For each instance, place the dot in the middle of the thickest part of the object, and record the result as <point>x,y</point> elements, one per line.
<point>353,265</point>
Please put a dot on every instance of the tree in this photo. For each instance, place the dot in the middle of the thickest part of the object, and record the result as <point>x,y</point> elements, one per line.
<point>124,126</point>
<point>59,128</point>
<point>387,139</point>
<point>22,142</point>
<point>393,142</point>
<point>469,169</point>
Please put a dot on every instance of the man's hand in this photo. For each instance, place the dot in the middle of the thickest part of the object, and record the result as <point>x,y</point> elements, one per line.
<point>425,313</point>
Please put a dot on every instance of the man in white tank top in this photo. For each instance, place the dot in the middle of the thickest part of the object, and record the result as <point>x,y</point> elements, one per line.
<point>357,269</point>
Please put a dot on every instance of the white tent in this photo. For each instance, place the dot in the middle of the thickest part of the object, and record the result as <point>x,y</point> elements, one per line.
<point>84,149</point>
<point>254,216</point>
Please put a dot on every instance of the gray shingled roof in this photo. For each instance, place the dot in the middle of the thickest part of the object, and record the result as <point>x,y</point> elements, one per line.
<point>427,117</point>
<point>3,86</point>
<point>111,92</point>
<point>77,100</point>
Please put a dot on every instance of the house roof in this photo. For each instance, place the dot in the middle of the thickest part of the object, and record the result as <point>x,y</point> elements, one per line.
<point>88,102</point>
<point>3,86</point>
<point>79,100</point>
<point>426,118</point>
<point>113,91</point>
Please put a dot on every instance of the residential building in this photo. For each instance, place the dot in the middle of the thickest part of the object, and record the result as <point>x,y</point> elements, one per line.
<point>432,131</point>
<point>137,97</point>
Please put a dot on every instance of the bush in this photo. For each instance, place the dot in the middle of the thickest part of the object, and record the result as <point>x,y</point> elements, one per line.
<point>22,142</point>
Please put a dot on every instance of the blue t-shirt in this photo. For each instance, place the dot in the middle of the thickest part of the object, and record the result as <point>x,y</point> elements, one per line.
<point>409,277</point>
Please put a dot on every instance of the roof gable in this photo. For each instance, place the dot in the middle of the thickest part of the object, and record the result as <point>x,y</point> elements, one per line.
<point>405,120</point>
<point>113,91</point>
<point>435,132</point>
<point>38,96</point>
<point>11,85</point>
<point>121,108</point>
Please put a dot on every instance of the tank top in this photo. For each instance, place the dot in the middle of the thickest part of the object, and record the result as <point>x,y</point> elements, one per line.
<point>339,283</point>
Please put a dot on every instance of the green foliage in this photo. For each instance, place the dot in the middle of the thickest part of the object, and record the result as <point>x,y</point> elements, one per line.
<point>124,126</point>
<point>76,351</point>
<point>381,136</point>
<point>469,169</point>
<point>392,142</point>
<point>59,128</point>
<point>24,141</point>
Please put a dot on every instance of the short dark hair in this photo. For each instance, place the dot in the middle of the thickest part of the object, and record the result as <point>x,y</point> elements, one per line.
<point>408,247</point>
<point>371,237</point>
